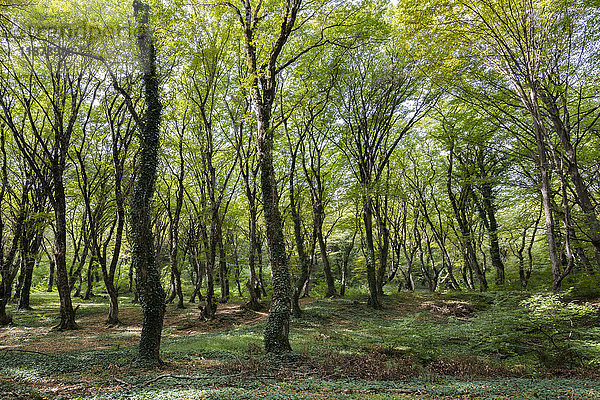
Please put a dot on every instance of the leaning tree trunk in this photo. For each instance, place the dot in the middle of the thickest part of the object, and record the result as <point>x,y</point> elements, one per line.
<point>546,191</point>
<point>149,288</point>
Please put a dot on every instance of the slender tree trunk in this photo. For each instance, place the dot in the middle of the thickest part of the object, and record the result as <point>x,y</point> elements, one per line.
<point>174,230</point>
<point>223,270</point>
<point>200,272</point>
<point>546,190</point>
<point>492,225</point>
<point>371,273</point>
<point>19,283</point>
<point>210,307</point>
<point>304,267</point>
<point>236,262</point>
<point>383,257</point>
<point>318,221</point>
<point>345,261</point>
<point>89,291</point>
<point>262,292</point>
<point>67,313</point>
<point>113,295</point>
<point>29,255</point>
<point>51,275</point>
<point>252,284</point>
<point>530,101</point>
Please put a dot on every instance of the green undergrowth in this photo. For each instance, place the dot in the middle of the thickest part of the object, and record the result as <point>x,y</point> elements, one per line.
<point>495,345</point>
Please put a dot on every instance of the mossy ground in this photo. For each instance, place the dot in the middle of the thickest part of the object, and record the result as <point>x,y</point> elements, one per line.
<point>421,346</point>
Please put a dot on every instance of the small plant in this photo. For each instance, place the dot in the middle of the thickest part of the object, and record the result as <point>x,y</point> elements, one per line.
<point>554,327</point>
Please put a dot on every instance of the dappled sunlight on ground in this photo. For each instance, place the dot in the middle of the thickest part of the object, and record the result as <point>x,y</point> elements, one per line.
<point>415,348</point>
<point>32,330</point>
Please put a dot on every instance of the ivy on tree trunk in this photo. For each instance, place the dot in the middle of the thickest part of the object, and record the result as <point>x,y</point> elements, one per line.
<point>150,290</point>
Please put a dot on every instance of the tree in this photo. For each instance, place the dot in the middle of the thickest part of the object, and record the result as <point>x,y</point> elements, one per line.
<point>533,58</point>
<point>149,287</point>
<point>8,269</point>
<point>52,93</point>
<point>381,99</point>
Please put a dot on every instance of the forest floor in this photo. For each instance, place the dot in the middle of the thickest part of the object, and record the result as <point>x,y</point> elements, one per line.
<point>421,346</point>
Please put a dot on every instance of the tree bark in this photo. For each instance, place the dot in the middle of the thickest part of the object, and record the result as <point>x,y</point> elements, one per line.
<point>371,272</point>
<point>492,227</point>
<point>318,221</point>
<point>67,313</point>
<point>252,284</point>
<point>29,249</point>
<point>223,270</point>
<point>150,290</point>
<point>51,275</point>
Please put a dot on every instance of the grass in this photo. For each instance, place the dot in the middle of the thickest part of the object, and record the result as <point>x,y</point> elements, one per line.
<point>495,345</point>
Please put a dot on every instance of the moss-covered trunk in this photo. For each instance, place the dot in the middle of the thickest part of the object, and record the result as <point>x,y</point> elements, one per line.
<point>150,290</point>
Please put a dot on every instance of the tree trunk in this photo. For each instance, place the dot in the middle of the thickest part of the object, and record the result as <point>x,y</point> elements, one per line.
<point>67,313</point>
<point>113,295</point>
<point>252,284</point>
<point>210,307</point>
<point>174,230</point>
<point>51,275</point>
<point>262,292</point>
<point>223,270</point>
<point>345,260</point>
<point>29,251</point>
<point>304,267</point>
<point>383,255</point>
<point>149,288</point>
<point>89,291</point>
<point>546,190</point>
<point>200,272</point>
<point>5,319</point>
<point>488,206</point>
<point>277,328</point>
<point>318,221</point>
<point>371,273</point>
